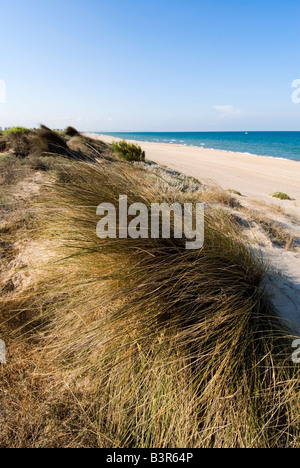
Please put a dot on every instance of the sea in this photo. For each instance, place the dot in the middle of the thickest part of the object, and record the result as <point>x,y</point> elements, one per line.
<point>284,145</point>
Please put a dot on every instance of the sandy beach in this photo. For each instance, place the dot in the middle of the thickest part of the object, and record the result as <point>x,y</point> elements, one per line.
<point>256,177</point>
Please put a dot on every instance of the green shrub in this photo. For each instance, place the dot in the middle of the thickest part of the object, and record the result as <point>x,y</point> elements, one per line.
<point>129,151</point>
<point>281,196</point>
<point>16,131</point>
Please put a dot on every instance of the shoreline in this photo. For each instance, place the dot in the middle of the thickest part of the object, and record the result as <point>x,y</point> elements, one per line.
<point>256,177</point>
<point>185,146</point>
<point>202,147</point>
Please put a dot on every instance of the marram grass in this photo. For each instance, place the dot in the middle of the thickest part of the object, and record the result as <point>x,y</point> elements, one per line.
<point>175,348</point>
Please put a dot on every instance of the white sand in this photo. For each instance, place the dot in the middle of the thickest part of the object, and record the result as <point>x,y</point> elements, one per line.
<point>256,177</point>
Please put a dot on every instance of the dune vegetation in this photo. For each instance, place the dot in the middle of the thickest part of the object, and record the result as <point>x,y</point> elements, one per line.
<point>281,196</point>
<point>131,343</point>
<point>129,151</point>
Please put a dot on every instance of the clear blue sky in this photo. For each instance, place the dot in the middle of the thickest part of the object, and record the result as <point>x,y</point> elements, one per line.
<point>151,65</point>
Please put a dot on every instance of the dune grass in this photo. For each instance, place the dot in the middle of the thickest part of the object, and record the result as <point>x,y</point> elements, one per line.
<point>144,343</point>
<point>178,348</point>
<point>71,132</point>
<point>216,195</point>
<point>45,142</point>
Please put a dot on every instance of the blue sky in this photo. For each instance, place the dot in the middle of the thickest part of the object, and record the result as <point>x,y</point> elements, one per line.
<point>159,65</point>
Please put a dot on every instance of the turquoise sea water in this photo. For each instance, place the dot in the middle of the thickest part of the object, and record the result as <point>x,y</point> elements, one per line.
<point>275,144</point>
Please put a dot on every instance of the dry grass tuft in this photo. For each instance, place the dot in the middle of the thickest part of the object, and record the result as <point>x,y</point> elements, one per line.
<point>218,196</point>
<point>90,149</point>
<point>276,231</point>
<point>168,178</point>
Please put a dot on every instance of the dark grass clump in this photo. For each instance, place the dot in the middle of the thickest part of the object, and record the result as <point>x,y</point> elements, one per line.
<point>78,148</point>
<point>129,151</point>
<point>91,149</point>
<point>56,143</point>
<point>3,144</point>
<point>71,132</point>
<point>19,144</point>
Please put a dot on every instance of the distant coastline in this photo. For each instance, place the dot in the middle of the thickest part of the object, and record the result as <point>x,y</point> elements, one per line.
<point>279,145</point>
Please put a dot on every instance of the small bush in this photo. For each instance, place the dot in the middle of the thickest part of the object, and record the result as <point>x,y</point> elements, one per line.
<point>17,131</point>
<point>281,196</point>
<point>129,151</point>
